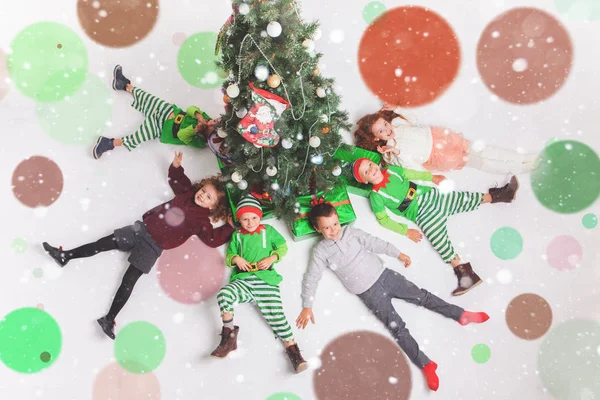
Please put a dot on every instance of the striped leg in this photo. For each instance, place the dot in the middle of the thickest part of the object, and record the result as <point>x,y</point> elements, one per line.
<point>232,294</point>
<point>432,219</point>
<point>152,125</point>
<point>465,202</point>
<point>145,102</point>
<point>268,300</point>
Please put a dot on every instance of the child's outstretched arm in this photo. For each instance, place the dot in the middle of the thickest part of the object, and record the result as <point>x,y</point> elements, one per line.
<point>310,282</point>
<point>178,181</point>
<point>384,220</point>
<point>375,244</point>
<point>215,237</point>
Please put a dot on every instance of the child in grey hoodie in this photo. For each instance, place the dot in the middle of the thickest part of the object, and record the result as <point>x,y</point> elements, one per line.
<point>352,255</point>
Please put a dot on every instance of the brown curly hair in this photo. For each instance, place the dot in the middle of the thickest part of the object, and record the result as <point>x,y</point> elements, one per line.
<point>222,211</point>
<point>363,136</point>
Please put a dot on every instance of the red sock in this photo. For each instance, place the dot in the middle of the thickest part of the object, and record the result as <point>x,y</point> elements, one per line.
<point>432,379</point>
<point>468,317</point>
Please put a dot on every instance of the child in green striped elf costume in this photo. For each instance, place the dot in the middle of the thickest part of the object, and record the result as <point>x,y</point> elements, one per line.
<point>252,252</point>
<point>429,208</point>
<point>162,120</point>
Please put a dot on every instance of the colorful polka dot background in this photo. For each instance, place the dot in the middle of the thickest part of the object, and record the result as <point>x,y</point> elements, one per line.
<point>516,76</point>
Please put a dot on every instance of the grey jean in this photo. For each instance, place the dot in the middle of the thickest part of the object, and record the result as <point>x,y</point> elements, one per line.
<point>392,285</point>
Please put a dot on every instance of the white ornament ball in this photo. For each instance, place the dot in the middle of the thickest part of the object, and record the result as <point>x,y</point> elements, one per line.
<point>318,34</point>
<point>287,143</point>
<point>275,186</point>
<point>233,91</point>
<point>261,73</point>
<point>274,29</point>
<point>299,136</point>
<point>320,92</point>
<point>263,34</point>
<point>244,8</point>
<point>243,185</point>
<point>308,44</point>
<point>297,210</point>
<point>236,177</point>
<point>271,170</point>
<point>317,159</point>
<point>297,205</point>
<point>241,113</point>
<point>221,133</point>
<point>337,171</point>
<point>314,141</point>
<point>323,118</point>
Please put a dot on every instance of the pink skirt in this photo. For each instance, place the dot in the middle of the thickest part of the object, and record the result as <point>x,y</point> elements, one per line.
<point>448,152</point>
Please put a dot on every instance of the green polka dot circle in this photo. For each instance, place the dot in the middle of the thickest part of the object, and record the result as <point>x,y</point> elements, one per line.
<point>589,221</point>
<point>140,347</point>
<point>506,243</point>
<point>481,353</point>
<point>283,396</point>
<point>196,61</point>
<point>19,245</point>
<point>80,118</point>
<point>567,178</point>
<point>30,340</point>
<point>569,360</point>
<point>586,10</point>
<point>48,61</point>
<point>372,11</point>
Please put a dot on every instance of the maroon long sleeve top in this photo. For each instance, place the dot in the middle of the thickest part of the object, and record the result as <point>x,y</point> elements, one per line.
<point>186,219</point>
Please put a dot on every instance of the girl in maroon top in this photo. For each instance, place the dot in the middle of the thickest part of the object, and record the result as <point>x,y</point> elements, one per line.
<point>164,227</point>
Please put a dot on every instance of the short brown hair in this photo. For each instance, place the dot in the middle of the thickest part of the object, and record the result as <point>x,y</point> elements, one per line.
<point>222,211</point>
<point>320,210</point>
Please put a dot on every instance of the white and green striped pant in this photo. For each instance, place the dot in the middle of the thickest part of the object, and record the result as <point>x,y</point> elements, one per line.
<point>434,210</point>
<point>156,112</point>
<point>267,297</point>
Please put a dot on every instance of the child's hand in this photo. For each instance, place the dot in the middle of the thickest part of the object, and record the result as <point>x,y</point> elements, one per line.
<point>241,263</point>
<point>388,107</point>
<point>437,179</point>
<point>405,259</point>
<point>266,263</point>
<point>177,159</point>
<point>388,149</point>
<point>198,126</point>
<point>414,235</point>
<point>305,316</point>
<point>211,125</point>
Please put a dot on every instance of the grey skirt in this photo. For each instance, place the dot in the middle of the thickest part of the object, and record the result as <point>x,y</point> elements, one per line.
<point>137,239</point>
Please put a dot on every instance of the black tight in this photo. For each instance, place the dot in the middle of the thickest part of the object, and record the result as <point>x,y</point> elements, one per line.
<point>91,249</point>
<point>129,280</point>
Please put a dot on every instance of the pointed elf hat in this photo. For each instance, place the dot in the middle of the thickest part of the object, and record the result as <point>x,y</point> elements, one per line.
<point>355,166</point>
<point>248,204</point>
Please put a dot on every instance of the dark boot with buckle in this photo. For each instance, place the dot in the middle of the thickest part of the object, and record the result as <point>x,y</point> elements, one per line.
<point>57,254</point>
<point>228,342</point>
<point>295,356</point>
<point>119,82</point>
<point>506,193</point>
<point>103,144</point>
<point>467,279</point>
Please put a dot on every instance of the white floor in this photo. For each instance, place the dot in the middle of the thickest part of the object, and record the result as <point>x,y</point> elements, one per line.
<point>99,196</point>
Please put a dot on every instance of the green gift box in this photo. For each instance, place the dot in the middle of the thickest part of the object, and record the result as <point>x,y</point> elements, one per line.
<point>349,154</point>
<point>301,227</point>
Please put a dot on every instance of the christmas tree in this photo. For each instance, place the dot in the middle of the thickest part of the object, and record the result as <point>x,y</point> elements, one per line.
<point>282,121</point>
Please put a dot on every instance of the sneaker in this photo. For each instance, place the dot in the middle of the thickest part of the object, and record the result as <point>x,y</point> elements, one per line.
<point>57,254</point>
<point>103,145</point>
<point>108,327</point>
<point>119,82</point>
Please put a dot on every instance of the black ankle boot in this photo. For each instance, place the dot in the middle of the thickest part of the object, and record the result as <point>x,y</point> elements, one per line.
<point>120,82</point>
<point>107,326</point>
<point>506,193</point>
<point>57,254</point>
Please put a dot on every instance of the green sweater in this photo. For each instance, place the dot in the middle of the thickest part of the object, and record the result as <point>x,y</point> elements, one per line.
<point>253,247</point>
<point>392,191</point>
<point>186,134</point>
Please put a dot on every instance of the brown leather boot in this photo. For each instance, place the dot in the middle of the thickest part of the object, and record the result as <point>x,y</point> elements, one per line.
<point>506,193</point>
<point>295,356</point>
<point>228,342</point>
<point>467,279</point>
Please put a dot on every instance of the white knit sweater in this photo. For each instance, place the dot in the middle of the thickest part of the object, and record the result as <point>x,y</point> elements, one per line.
<point>412,139</point>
